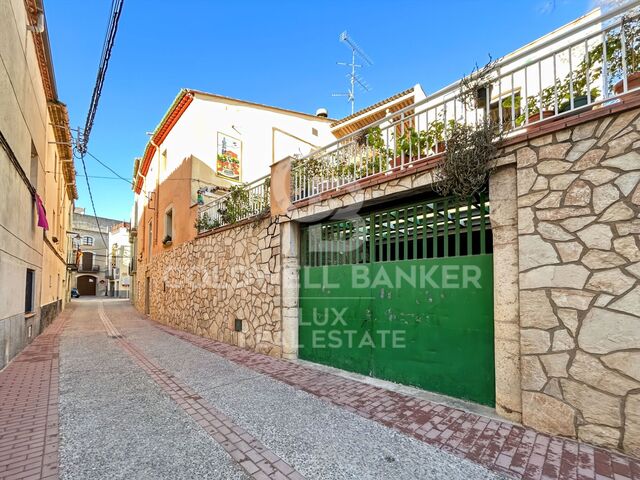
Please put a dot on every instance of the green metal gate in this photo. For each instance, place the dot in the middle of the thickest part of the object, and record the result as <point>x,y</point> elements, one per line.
<point>403,294</point>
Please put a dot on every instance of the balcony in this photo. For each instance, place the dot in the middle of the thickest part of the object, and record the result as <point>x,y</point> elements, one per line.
<point>588,66</point>
<point>242,202</point>
<point>92,269</point>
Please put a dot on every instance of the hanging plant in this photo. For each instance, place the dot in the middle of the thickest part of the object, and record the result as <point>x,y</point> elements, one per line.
<point>466,166</point>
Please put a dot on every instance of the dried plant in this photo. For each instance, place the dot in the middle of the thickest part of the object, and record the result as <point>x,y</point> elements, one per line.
<point>473,87</point>
<point>466,166</point>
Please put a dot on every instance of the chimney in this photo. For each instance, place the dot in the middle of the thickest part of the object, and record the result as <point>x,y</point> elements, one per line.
<point>322,112</point>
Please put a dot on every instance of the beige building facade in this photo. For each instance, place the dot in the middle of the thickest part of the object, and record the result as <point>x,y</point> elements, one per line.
<point>36,166</point>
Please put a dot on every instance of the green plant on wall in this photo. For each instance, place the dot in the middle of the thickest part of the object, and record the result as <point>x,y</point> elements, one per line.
<point>204,222</point>
<point>236,205</point>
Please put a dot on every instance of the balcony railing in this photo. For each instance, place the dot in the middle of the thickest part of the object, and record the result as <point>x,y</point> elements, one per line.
<point>92,269</point>
<point>242,202</point>
<point>585,67</point>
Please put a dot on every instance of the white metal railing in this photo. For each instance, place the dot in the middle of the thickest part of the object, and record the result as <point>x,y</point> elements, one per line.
<point>242,202</point>
<point>587,65</point>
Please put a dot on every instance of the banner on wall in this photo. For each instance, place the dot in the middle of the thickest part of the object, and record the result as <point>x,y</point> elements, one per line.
<point>229,157</point>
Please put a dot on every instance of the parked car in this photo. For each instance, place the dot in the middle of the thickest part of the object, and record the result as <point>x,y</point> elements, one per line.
<point>75,293</point>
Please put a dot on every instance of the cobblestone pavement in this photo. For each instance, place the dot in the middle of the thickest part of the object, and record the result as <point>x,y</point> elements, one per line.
<point>140,400</point>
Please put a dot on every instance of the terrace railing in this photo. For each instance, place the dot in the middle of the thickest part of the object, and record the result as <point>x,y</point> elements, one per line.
<point>586,66</point>
<point>242,202</point>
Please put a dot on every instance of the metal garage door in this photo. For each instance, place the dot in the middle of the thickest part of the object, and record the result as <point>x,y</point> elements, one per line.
<point>404,294</point>
<point>86,285</point>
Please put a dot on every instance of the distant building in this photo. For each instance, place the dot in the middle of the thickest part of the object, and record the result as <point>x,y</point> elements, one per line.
<point>91,253</point>
<point>37,180</point>
<point>119,261</point>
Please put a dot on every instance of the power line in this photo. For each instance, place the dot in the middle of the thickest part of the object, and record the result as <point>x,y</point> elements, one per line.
<point>110,169</point>
<point>83,136</point>
<point>110,36</point>
<point>93,205</point>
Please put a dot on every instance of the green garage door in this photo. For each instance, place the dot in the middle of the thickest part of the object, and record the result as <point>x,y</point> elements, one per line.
<point>403,294</point>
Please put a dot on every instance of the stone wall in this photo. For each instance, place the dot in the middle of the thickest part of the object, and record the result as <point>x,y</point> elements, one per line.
<point>203,286</point>
<point>579,295</point>
<point>48,314</point>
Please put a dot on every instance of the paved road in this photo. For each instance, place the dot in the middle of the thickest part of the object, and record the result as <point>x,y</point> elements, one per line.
<point>140,401</point>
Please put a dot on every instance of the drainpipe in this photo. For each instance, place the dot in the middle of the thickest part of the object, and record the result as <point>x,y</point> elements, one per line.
<point>157,227</point>
<point>39,26</point>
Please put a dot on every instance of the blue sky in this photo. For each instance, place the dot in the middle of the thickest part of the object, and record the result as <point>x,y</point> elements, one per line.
<point>281,53</point>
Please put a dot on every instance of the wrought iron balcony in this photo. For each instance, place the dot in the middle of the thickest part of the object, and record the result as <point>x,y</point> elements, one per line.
<point>92,269</point>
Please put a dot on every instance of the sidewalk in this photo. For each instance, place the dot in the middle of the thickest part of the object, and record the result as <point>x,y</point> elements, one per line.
<point>29,408</point>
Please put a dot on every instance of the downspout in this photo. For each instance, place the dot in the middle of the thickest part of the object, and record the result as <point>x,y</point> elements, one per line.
<point>157,205</point>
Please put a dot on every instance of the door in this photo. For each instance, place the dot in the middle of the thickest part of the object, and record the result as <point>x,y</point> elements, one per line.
<point>86,285</point>
<point>87,261</point>
<point>404,294</point>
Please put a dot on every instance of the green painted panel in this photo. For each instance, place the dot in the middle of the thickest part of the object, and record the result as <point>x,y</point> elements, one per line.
<point>426,322</point>
<point>333,318</point>
<point>445,338</point>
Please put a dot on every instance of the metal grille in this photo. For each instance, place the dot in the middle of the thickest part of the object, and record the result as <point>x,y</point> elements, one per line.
<point>441,228</point>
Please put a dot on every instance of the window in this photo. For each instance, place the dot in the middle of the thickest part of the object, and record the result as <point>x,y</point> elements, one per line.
<point>168,225</point>
<point>87,240</point>
<point>28,291</point>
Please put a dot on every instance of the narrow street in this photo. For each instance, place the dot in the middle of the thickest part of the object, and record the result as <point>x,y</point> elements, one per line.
<point>139,400</point>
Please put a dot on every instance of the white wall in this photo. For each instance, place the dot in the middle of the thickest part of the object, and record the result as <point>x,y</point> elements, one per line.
<point>267,135</point>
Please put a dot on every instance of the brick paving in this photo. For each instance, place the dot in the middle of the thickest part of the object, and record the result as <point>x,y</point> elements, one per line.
<point>29,418</point>
<point>259,462</point>
<point>502,447</point>
<point>29,408</point>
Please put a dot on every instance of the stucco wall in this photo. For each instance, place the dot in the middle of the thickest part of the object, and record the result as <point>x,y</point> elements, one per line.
<point>579,295</point>
<point>23,123</point>
<point>204,285</point>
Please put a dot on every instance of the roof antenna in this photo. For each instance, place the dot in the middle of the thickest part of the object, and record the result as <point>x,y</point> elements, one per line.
<point>354,78</point>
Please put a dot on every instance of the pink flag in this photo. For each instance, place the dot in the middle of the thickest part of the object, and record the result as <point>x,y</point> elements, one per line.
<point>42,213</point>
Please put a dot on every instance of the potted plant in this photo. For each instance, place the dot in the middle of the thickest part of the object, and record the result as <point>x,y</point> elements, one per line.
<point>410,146</point>
<point>437,133</point>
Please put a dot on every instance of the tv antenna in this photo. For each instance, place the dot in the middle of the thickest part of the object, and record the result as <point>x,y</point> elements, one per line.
<point>354,78</point>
